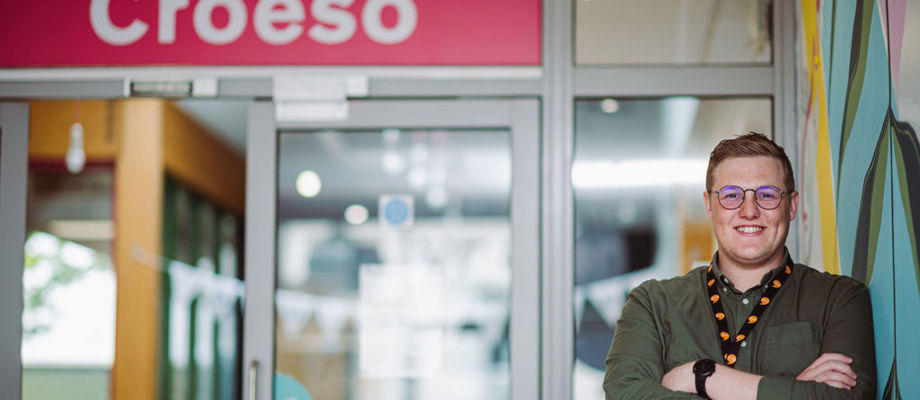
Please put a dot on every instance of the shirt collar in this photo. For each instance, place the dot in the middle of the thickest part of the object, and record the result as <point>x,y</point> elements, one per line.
<point>767,277</point>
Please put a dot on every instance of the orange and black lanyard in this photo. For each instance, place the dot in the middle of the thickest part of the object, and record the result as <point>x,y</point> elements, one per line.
<point>731,345</point>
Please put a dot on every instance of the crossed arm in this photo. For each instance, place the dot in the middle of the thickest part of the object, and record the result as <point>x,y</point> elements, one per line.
<point>831,369</point>
<point>838,373</point>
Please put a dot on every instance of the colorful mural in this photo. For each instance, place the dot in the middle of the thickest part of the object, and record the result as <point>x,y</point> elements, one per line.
<point>859,109</point>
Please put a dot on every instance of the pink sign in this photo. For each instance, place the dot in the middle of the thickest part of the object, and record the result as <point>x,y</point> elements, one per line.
<point>42,33</point>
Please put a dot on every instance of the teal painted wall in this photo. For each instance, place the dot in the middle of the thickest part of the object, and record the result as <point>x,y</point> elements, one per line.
<point>872,85</point>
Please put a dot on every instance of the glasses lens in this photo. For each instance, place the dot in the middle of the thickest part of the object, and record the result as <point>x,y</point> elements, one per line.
<point>731,197</point>
<point>769,196</point>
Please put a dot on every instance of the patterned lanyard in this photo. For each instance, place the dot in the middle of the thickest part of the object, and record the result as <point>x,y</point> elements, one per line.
<point>730,347</point>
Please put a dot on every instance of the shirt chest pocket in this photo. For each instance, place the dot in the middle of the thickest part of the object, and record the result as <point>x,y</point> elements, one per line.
<point>790,348</point>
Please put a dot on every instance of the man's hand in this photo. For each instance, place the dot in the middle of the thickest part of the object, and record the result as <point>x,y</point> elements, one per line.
<point>832,369</point>
<point>680,378</point>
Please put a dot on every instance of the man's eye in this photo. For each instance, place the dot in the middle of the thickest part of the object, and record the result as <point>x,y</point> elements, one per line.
<point>768,195</point>
<point>731,195</point>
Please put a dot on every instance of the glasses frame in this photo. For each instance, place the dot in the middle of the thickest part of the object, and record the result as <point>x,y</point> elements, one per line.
<point>744,196</point>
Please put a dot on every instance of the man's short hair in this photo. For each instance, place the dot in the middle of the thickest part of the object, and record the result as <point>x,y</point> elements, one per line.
<point>749,145</point>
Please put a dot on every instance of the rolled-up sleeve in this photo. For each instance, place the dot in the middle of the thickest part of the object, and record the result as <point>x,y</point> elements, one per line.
<point>634,362</point>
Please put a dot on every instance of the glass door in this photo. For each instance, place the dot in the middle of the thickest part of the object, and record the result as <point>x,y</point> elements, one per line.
<point>134,301</point>
<point>396,252</point>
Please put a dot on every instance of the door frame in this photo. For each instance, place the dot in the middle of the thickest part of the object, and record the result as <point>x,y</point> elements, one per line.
<point>14,158</point>
<point>520,116</point>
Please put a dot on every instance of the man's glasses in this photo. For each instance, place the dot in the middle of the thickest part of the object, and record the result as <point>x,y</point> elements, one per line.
<point>767,197</point>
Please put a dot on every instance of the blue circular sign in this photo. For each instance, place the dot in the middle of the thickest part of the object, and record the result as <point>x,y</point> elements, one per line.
<point>396,211</point>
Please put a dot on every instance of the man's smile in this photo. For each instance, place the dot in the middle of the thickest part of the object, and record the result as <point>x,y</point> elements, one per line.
<point>749,228</point>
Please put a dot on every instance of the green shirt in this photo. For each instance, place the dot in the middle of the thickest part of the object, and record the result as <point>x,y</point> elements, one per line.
<point>667,323</point>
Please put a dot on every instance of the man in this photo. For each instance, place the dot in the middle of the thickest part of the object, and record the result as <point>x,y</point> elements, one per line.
<point>753,324</point>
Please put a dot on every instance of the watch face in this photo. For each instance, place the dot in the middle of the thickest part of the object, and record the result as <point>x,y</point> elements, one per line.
<point>704,367</point>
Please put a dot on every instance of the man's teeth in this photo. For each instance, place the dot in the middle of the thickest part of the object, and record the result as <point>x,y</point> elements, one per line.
<point>749,229</point>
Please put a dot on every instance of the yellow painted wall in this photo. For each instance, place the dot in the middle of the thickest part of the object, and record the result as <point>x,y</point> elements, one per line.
<point>50,123</point>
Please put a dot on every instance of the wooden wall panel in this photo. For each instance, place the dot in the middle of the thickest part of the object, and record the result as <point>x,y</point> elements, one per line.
<point>697,244</point>
<point>138,220</point>
<point>50,133</point>
<point>196,157</point>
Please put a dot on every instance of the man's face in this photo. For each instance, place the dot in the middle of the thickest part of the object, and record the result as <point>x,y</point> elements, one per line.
<point>750,236</point>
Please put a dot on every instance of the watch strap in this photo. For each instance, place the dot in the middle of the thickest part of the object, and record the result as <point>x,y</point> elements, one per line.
<point>701,385</point>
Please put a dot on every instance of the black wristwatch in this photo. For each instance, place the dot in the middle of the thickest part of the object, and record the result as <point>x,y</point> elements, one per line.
<point>703,369</point>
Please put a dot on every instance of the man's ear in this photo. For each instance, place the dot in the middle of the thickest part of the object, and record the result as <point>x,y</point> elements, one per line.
<point>707,203</point>
<point>793,204</point>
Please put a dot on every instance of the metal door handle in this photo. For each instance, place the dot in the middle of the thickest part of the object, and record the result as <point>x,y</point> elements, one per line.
<point>253,374</point>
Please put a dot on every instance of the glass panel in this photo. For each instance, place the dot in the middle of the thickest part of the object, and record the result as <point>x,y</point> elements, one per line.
<point>672,32</point>
<point>131,266</point>
<point>203,297</point>
<point>393,265</point>
<point>68,342</point>
<point>639,174</point>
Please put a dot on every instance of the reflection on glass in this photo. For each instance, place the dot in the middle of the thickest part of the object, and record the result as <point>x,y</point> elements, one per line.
<point>394,279</point>
<point>672,32</point>
<point>68,318</point>
<point>639,175</point>
<point>202,297</point>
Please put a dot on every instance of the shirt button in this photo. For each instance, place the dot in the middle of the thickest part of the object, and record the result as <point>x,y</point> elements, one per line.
<point>744,343</point>
<point>745,301</point>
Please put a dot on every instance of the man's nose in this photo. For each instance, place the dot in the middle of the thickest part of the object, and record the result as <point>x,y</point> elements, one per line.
<point>749,207</point>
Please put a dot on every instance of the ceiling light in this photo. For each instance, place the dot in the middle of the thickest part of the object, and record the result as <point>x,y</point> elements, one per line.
<point>634,173</point>
<point>393,164</point>
<point>356,214</point>
<point>391,136</point>
<point>609,106</point>
<point>308,184</point>
<point>76,157</point>
<point>417,177</point>
<point>436,197</point>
